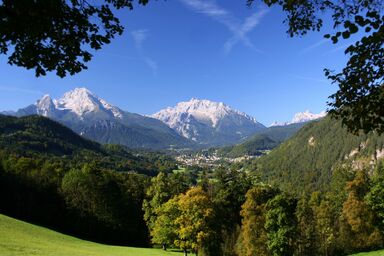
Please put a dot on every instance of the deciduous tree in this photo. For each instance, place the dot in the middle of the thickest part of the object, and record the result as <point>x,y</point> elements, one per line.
<point>280,224</point>
<point>163,187</point>
<point>306,239</point>
<point>57,35</point>
<point>164,230</point>
<point>360,219</point>
<point>253,237</point>
<point>375,197</point>
<point>195,220</point>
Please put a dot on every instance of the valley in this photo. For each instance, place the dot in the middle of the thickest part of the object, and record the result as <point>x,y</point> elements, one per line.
<point>130,190</point>
<point>112,194</point>
<point>211,159</point>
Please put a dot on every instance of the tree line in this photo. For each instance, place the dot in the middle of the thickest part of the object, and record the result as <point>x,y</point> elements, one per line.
<point>223,212</point>
<point>233,213</point>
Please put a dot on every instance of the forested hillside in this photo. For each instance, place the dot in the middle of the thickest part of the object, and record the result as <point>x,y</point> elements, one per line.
<point>309,158</point>
<point>51,176</point>
<point>319,193</point>
<point>38,136</point>
<point>262,140</point>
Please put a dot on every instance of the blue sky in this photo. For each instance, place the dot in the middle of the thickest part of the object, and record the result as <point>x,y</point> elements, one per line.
<point>174,50</point>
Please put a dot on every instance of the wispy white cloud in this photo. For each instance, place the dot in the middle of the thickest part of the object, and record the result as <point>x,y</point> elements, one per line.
<point>238,29</point>
<point>151,64</point>
<point>314,46</point>
<point>19,90</point>
<point>308,78</point>
<point>342,47</point>
<point>241,35</point>
<point>139,36</point>
<point>209,8</point>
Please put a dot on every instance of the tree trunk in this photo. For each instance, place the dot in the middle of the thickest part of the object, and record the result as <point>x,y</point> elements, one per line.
<point>185,252</point>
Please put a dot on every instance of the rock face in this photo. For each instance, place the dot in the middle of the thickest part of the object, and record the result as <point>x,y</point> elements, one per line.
<point>209,123</point>
<point>96,119</point>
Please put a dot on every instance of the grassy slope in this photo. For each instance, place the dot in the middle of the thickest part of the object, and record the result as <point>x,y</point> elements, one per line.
<point>21,238</point>
<point>376,253</point>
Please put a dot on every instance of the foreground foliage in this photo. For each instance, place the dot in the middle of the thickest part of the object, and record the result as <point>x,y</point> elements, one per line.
<point>57,35</point>
<point>360,96</point>
<point>374,253</point>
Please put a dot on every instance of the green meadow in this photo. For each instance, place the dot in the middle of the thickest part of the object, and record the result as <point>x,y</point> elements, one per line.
<point>22,239</point>
<point>375,253</point>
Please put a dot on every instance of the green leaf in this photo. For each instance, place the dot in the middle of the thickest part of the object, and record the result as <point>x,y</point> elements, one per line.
<point>346,34</point>
<point>353,28</point>
<point>359,20</point>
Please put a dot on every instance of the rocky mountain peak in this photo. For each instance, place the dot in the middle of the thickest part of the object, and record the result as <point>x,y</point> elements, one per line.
<point>45,106</point>
<point>301,117</point>
<point>201,120</point>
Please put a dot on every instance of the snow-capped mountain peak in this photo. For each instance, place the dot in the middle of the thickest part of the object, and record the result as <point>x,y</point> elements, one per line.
<point>45,105</point>
<point>307,116</point>
<point>44,102</point>
<point>302,117</point>
<point>81,101</point>
<point>77,104</point>
<point>96,119</point>
<point>203,110</point>
<point>200,119</point>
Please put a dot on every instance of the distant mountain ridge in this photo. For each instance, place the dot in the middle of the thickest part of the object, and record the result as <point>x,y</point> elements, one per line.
<point>96,119</point>
<point>188,125</point>
<point>208,122</point>
<point>301,117</point>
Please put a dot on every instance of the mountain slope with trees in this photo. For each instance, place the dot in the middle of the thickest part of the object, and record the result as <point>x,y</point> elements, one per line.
<point>263,140</point>
<point>106,194</point>
<point>309,158</point>
<point>51,176</point>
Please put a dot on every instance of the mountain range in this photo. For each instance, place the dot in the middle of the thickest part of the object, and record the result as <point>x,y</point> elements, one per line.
<point>209,123</point>
<point>96,119</point>
<point>191,124</point>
